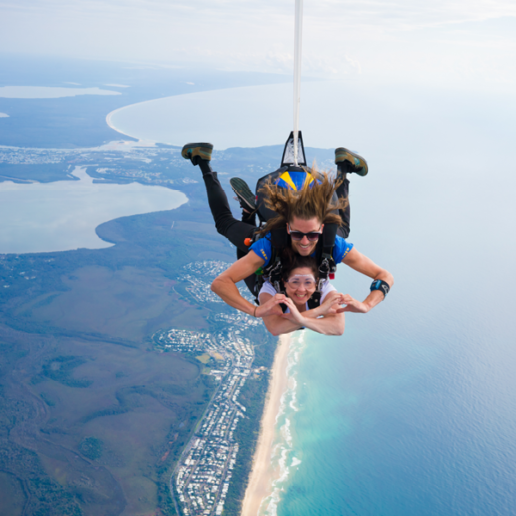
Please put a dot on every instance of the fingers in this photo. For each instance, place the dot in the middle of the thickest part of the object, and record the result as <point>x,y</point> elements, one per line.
<point>296,315</point>
<point>273,301</point>
<point>271,307</point>
<point>279,298</point>
<point>290,303</point>
<point>354,306</point>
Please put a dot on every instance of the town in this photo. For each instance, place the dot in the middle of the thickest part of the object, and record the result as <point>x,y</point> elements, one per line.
<point>201,291</point>
<point>201,479</point>
<point>117,161</point>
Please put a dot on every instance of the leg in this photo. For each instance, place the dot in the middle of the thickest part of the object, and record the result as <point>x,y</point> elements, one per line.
<point>347,162</point>
<point>345,213</point>
<point>246,198</point>
<point>234,230</point>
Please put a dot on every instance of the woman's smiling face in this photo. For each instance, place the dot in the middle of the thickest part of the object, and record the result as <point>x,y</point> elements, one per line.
<point>300,285</point>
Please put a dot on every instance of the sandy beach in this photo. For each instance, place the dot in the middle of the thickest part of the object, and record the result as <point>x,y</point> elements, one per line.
<point>260,481</point>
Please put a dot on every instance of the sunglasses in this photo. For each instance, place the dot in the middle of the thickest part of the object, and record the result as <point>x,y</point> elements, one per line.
<point>313,236</point>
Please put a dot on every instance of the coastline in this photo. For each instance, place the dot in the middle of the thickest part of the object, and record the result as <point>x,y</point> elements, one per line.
<point>112,126</point>
<point>261,477</point>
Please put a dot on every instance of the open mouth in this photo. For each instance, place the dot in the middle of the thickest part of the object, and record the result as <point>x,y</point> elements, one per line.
<point>306,247</point>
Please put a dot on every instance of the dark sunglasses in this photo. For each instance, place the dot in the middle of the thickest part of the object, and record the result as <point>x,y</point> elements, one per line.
<point>313,236</point>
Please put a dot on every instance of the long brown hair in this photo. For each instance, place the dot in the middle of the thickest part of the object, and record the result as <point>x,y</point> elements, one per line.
<point>306,204</point>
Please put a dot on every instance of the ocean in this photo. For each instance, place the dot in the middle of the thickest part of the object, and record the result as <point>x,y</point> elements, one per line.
<point>386,423</point>
<point>412,411</point>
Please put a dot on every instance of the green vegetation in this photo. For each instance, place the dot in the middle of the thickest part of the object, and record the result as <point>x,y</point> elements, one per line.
<point>60,369</point>
<point>90,399</point>
<point>45,495</point>
<point>204,358</point>
<point>47,399</point>
<point>43,173</point>
<point>91,447</point>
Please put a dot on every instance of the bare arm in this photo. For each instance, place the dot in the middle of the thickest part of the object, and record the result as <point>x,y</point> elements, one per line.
<point>366,266</point>
<point>331,323</point>
<point>225,287</point>
<point>275,322</point>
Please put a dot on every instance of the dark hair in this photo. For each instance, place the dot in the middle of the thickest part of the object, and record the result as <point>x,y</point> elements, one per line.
<point>291,260</point>
<point>306,204</point>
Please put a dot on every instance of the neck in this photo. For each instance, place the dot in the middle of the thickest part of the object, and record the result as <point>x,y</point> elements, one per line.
<point>301,308</point>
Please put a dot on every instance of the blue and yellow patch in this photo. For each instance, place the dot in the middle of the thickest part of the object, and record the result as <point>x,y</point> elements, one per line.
<point>296,181</point>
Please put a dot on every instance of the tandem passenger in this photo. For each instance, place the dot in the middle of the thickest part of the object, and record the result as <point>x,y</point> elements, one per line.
<point>301,277</point>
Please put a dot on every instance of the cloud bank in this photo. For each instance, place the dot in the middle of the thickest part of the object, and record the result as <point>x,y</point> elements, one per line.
<point>397,40</point>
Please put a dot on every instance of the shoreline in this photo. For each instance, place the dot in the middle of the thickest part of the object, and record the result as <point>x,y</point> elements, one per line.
<point>261,477</point>
<point>112,126</point>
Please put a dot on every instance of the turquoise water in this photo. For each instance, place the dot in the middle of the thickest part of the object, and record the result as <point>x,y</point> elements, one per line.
<point>391,423</point>
<point>412,411</point>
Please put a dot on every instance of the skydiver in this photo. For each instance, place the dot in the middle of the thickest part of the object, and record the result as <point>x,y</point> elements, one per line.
<point>303,214</point>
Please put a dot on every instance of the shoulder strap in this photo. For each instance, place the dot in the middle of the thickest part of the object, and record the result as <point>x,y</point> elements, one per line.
<point>273,272</point>
<point>315,300</point>
<point>324,253</point>
<point>325,261</point>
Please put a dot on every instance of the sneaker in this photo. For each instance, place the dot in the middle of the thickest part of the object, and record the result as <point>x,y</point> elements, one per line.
<point>350,161</point>
<point>196,151</point>
<point>246,198</point>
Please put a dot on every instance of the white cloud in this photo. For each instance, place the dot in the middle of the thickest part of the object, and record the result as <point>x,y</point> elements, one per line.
<point>411,39</point>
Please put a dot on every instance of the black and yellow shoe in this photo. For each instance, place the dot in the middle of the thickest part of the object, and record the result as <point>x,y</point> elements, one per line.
<point>245,196</point>
<point>195,151</point>
<point>349,161</point>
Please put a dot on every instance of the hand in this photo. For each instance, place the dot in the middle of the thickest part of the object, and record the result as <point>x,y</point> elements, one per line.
<point>271,307</point>
<point>294,315</point>
<point>331,304</point>
<point>352,305</point>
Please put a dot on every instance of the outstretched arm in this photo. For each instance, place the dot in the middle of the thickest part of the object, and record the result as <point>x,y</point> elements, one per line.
<point>366,266</point>
<point>225,287</point>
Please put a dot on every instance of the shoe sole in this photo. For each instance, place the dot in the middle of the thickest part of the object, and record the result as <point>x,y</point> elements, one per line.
<point>243,192</point>
<point>201,150</point>
<point>342,154</point>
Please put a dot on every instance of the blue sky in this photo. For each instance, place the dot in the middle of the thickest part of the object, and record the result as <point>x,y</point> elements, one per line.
<point>442,42</point>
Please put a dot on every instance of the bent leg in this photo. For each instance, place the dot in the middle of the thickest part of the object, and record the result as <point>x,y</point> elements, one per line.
<point>347,162</point>
<point>234,230</point>
<point>345,214</point>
